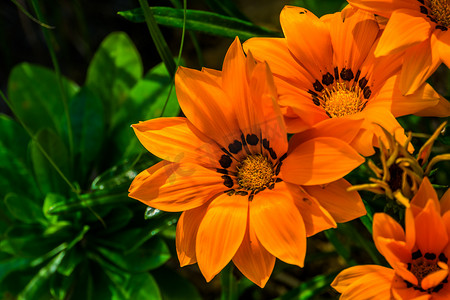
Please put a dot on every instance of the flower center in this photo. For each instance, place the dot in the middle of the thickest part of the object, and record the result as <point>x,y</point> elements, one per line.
<point>339,101</point>
<point>421,267</point>
<point>440,10</point>
<point>255,172</point>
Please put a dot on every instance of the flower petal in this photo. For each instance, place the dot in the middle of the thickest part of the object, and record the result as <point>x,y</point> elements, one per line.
<point>400,290</point>
<point>318,161</point>
<point>443,45</point>
<point>433,279</point>
<point>445,202</point>
<point>176,186</point>
<point>253,260</point>
<point>221,233</point>
<point>186,235</point>
<point>279,225</point>
<point>384,7</point>
<point>425,193</point>
<point>350,275</point>
<point>405,28</point>
<point>176,139</point>
<point>375,285</point>
<point>342,205</point>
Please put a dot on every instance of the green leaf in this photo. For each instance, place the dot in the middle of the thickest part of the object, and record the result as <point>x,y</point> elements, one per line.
<point>322,7</point>
<point>24,209</point>
<point>227,8</point>
<point>310,288</point>
<point>50,200</point>
<point>117,219</point>
<point>113,71</point>
<point>48,179</point>
<point>36,98</point>
<point>13,264</point>
<point>142,287</point>
<point>88,127</point>
<point>167,279</point>
<point>202,21</point>
<point>151,255</point>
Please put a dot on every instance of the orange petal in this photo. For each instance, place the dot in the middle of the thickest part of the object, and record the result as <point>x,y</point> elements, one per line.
<point>375,285</point>
<point>384,7</point>
<point>342,205</point>
<point>186,235</point>
<point>176,187</point>
<point>431,234</point>
<point>253,260</point>
<point>308,39</point>
<point>279,225</point>
<point>176,139</point>
<point>395,252</point>
<point>410,229</point>
<point>425,193</point>
<point>420,61</point>
<point>363,142</point>
<point>401,291</point>
<point>433,279</point>
<point>348,276</point>
<point>318,161</point>
<point>206,105</point>
<point>443,45</point>
<point>445,202</point>
<point>405,28</point>
<point>386,229</point>
<point>221,233</point>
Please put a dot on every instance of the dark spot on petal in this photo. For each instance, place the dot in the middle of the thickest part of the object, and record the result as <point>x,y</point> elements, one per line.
<point>416,254</point>
<point>430,255</point>
<point>278,180</point>
<point>271,186</point>
<point>347,74</point>
<point>265,144</point>
<point>445,280</point>
<point>431,19</point>
<point>408,284</point>
<point>327,79</point>
<point>278,168</point>
<point>222,171</point>
<point>409,266</point>
<point>272,153</point>
<point>316,101</point>
<point>362,82</point>
<point>259,190</point>
<point>328,114</point>
<point>227,181</point>
<point>438,288</point>
<point>235,147</point>
<point>318,86</point>
<point>225,161</point>
<point>313,93</point>
<point>243,140</point>
<point>423,10</point>
<point>336,73</point>
<point>283,157</point>
<point>367,92</point>
<point>443,258</point>
<point>421,1</point>
<point>250,198</point>
<point>242,193</point>
<point>230,192</point>
<point>252,139</point>
<point>357,76</point>
<point>443,28</point>
<point>364,106</point>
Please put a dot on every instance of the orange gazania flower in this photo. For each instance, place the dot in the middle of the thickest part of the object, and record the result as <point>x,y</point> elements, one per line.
<point>421,28</point>
<point>418,257</point>
<point>326,72</point>
<point>246,195</point>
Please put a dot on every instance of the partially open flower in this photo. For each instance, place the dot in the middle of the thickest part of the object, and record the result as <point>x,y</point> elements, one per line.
<point>401,173</point>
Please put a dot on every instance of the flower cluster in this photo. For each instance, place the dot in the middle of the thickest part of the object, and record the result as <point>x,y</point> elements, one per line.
<point>337,84</point>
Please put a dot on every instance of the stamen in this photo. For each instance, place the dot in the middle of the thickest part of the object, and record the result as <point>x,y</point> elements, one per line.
<point>422,266</point>
<point>255,172</point>
<point>340,101</point>
<point>437,11</point>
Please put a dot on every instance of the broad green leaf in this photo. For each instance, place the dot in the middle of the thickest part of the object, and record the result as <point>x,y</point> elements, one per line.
<point>70,262</point>
<point>114,70</point>
<point>202,21</point>
<point>14,172</point>
<point>147,100</point>
<point>24,209</point>
<point>36,97</point>
<point>167,279</point>
<point>48,179</point>
<point>50,200</point>
<point>149,256</point>
<point>117,219</point>
<point>143,286</point>
<point>88,127</point>
<point>13,264</point>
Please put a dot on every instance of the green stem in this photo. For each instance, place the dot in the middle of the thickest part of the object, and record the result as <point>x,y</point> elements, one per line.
<point>229,284</point>
<point>26,13</point>
<point>62,89</point>
<point>158,39</point>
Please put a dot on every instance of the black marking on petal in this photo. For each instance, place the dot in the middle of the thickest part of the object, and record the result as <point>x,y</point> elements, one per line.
<point>362,82</point>
<point>423,10</point>
<point>443,28</point>
<point>243,140</point>
<point>336,73</point>
<point>235,147</point>
<point>408,284</point>
<point>259,190</point>
<point>367,92</point>
<point>431,19</point>
<point>328,114</point>
<point>316,101</point>
<point>443,258</point>
<point>421,1</point>
<point>430,255</point>
<point>278,180</point>
<point>265,144</point>
<point>222,171</point>
<point>278,168</point>
<point>409,266</point>
<point>250,198</point>
<point>230,192</point>
<point>314,94</point>
<point>347,74</point>
<point>272,153</point>
<point>227,181</point>
<point>317,86</point>
<point>364,106</point>
<point>327,79</point>
<point>225,161</point>
<point>416,254</point>
<point>445,280</point>
<point>271,187</point>
<point>283,157</point>
<point>226,151</point>
<point>242,193</point>
<point>252,139</point>
<point>357,76</point>
<point>438,288</point>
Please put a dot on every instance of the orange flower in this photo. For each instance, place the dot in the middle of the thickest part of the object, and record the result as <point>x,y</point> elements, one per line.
<point>419,27</point>
<point>419,256</point>
<point>246,195</point>
<point>327,76</point>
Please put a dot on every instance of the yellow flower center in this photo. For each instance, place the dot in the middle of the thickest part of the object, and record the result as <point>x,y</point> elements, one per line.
<point>440,10</point>
<point>421,267</point>
<point>340,101</point>
<point>255,172</point>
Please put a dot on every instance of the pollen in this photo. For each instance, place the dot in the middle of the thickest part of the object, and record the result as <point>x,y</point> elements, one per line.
<point>440,11</point>
<point>340,101</point>
<point>255,172</point>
